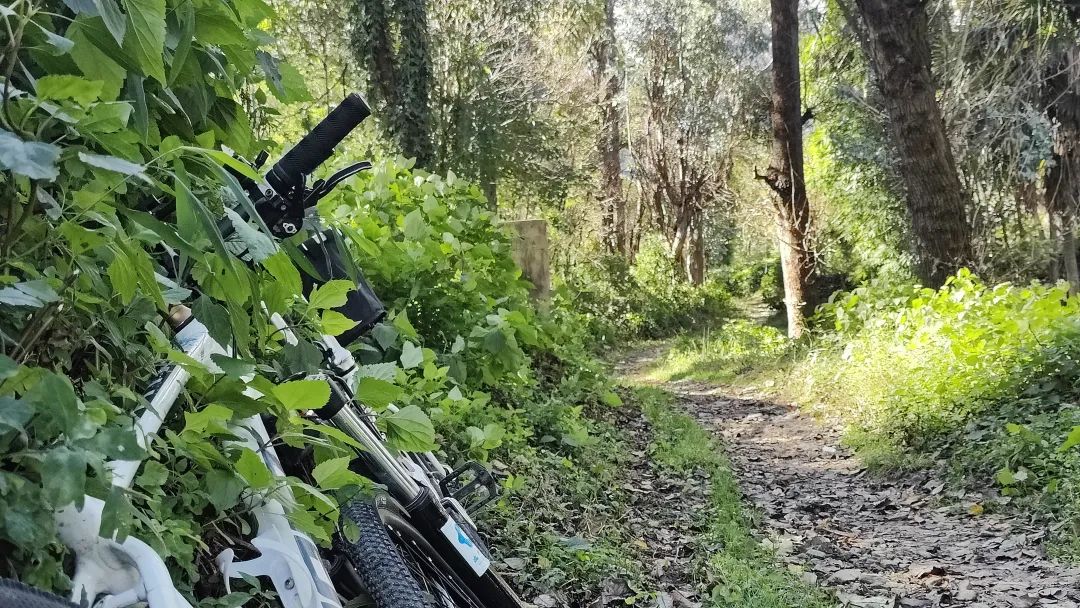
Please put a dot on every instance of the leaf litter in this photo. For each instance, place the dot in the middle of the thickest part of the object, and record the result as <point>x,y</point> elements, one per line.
<point>875,542</point>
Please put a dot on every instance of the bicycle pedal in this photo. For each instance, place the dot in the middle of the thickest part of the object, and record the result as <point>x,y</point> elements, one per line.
<point>471,492</point>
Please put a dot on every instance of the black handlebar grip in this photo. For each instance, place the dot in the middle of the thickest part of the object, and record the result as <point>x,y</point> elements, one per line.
<point>288,173</point>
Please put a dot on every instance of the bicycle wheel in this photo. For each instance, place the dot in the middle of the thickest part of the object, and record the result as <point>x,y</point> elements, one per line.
<point>14,594</point>
<point>398,567</point>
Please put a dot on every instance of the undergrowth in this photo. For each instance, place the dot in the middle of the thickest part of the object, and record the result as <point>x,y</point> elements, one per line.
<point>566,536</point>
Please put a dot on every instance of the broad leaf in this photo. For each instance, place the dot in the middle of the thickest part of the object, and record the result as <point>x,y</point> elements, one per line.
<point>377,393</point>
<point>63,86</point>
<point>114,164</point>
<point>281,268</point>
<point>303,394</point>
<point>409,429</point>
<point>334,474</point>
<point>330,294</point>
<point>114,18</point>
<point>145,37</point>
<point>252,468</point>
<point>63,473</point>
<point>33,159</point>
<point>411,355</point>
<point>258,245</point>
<point>334,323</point>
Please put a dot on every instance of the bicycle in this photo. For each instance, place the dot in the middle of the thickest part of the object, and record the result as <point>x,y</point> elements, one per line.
<point>418,545</point>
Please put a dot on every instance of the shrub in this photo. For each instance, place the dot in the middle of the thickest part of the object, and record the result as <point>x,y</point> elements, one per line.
<point>620,301</point>
<point>917,363</point>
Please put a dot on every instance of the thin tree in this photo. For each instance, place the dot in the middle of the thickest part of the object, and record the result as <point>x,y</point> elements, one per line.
<point>785,173</point>
<point>897,41</point>
<point>609,140</point>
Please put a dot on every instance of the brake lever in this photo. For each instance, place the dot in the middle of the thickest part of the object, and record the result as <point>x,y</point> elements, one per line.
<point>323,187</point>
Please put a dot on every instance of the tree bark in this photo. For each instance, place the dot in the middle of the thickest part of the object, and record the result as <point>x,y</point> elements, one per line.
<point>898,33</point>
<point>609,143</point>
<point>785,173</point>
<point>1062,90</point>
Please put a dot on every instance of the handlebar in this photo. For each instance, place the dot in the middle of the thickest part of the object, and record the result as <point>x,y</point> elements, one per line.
<point>287,175</point>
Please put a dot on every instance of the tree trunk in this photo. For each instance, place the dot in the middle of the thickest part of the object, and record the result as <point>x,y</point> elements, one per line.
<point>400,74</point>
<point>1055,255</point>
<point>694,264</point>
<point>900,47</point>
<point>1061,193</point>
<point>1062,90</point>
<point>1068,251</point>
<point>785,173</point>
<point>609,143</point>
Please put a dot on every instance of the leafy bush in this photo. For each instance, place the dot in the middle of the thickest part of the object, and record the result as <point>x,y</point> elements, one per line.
<point>621,301</point>
<point>917,363</point>
<point>757,278</point>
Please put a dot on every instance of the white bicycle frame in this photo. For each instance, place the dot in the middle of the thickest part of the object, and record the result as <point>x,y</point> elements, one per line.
<point>110,573</point>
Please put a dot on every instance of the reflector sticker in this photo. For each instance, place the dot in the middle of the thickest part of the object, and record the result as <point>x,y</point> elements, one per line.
<point>466,547</point>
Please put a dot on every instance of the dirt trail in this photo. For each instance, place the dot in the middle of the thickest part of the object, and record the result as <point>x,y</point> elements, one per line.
<point>875,542</point>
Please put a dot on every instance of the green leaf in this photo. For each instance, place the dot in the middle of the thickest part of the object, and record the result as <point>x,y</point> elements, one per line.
<point>64,86</point>
<point>61,45</point>
<point>154,475</point>
<point>35,293</point>
<point>14,414</point>
<point>117,443</point>
<point>1071,441</point>
<point>232,367</point>
<point>409,429</point>
<point>136,92</point>
<point>117,515</point>
<point>54,401</point>
<point>385,335</point>
<point>411,355</point>
<point>63,474</point>
<point>212,419</point>
<point>33,159</point>
<point>112,163</point>
<point>414,226</point>
<point>223,489</point>
<point>215,317</point>
<point>612,399</point>
<point>115,21</point>
<point>145,37</point>
<point>251,467</point>
<point>330,294</point>
<point>293,85</point>
<point>303,394</point>
<point>93,62</point>
<point>377,393</point>
<point>335,474</point>
<point>402,324</point>
<point>334,323</point>
<point>383,371</point>
<point>1005,477</point>
<point>284,272</point>
<point>259,245</point>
